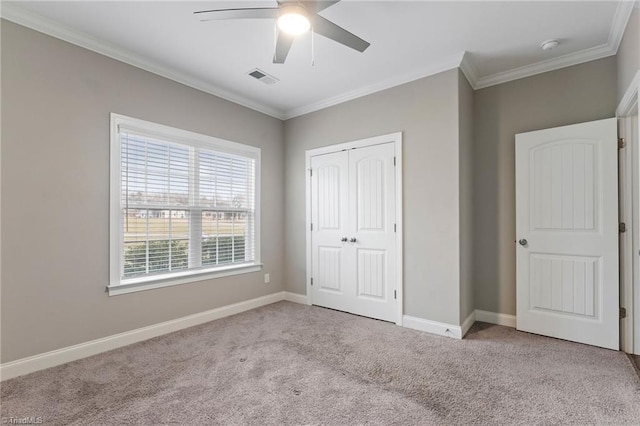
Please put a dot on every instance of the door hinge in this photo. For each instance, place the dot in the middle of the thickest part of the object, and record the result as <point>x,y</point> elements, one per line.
<point>395,294</point>
<point>312,226</point>
<point>394,228</point>
<point>394,161</point>
<point>310,172</point>
<point>621,143</point>
<point>623,312</point>
<point>622,227</point>
<point>311,280</point>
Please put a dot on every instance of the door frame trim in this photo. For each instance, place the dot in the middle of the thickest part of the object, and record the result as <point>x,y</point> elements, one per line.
<point>630,198</point>
<point>396,139</point>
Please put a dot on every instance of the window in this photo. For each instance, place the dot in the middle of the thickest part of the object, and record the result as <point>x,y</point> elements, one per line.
<point>183,206</point>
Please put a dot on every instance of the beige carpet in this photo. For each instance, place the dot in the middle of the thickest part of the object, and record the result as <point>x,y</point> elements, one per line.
<point>635,359</point>
<point>293,364</point>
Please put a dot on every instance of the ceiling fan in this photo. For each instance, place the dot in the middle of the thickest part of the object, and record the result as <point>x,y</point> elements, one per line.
<point>294,17</point>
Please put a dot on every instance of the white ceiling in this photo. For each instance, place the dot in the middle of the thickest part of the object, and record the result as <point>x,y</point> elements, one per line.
<point>409,40</point>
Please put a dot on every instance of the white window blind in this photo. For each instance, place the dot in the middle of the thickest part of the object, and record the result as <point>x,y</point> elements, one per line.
<point>186,205</point>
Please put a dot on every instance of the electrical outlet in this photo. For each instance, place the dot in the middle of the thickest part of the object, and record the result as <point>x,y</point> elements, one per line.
<point>267,278</point>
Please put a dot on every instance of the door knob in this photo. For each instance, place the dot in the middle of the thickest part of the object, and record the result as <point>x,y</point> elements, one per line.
<point>352,240</point>
<point>523,242</point>
<point>343,239</point>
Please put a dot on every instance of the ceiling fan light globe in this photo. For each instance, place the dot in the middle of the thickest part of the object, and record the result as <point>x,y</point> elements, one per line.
<point>293,20</point>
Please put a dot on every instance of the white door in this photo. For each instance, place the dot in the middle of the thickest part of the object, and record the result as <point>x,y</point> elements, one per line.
<point>329,219</point>
<point>567,231</point>
<point>353,240</point>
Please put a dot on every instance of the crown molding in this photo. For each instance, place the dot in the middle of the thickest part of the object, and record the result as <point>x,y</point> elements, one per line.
<point>446,65</point>
<point>630,99</point>
<point>469,71</point>
<point>564,61</point>
<point>618,25</point>
<point>620,22</point>
<point>20,16</point>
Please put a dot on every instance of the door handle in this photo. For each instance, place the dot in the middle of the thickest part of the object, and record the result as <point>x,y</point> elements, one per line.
<point>343,239</point>
<point>523,242</point>
<point>352,240</point>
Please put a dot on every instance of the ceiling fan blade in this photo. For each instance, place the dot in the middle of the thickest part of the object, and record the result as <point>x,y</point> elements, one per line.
<point>315,6</point>
<point>330,30</point>
<point>252,13</point>
<point>283,45</point>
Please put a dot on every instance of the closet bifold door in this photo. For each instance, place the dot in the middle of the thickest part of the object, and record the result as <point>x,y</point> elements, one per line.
<point>329,216</point>
<point>353,240</point>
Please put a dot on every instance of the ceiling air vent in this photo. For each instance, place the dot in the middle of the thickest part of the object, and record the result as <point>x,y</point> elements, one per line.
<point>263,76</point>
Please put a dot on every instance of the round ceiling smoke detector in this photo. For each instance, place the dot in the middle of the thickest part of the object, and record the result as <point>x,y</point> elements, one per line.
<point>549,44</point>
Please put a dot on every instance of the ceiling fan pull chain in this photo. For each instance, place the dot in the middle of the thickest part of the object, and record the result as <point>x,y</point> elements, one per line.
<point>313,51</point>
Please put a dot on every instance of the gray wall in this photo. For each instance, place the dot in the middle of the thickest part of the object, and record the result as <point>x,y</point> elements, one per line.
<point>576,94</point>
<point>426,111</point>
<point>56,100</point>
<point>465,132</point>
<point>459,205</point>
<point>629,53</point>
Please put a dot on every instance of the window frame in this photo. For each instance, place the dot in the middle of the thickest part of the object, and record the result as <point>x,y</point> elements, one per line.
<point>119,285</point>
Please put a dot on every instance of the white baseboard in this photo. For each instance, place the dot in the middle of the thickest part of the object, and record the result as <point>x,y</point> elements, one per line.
<point>466,325</point>
<point>434,327</point>
<point>496,318</point>
<point>295,297</point>
<point>71,353</point>
<point>455,331</point>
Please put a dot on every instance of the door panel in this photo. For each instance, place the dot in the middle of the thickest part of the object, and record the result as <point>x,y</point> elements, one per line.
<point>372,201</point>
<point>370,196</point>
<point>329,267</point>
<point>567,211</point>
<point>353,197</point>
<point>371,274</point>
<point>563,183</point>
<point>564,284</point>
<point>329,191</point>
<point>330,218</point>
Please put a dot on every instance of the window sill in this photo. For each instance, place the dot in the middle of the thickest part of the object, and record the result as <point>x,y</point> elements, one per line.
<point>147,283</point>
